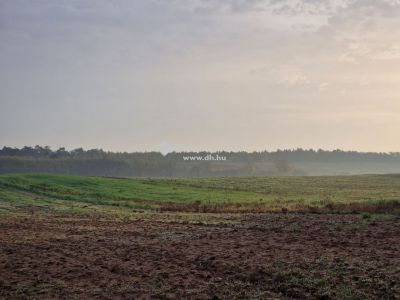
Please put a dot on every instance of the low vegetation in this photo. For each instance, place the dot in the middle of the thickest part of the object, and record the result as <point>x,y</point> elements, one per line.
<point>102,237</point>
<point>368,194</point>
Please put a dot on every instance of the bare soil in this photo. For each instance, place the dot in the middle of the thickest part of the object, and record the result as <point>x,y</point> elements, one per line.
<point>264,256</point>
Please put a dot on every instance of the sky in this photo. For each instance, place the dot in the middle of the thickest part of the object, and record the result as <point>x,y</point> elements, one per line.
<point>165,75</point>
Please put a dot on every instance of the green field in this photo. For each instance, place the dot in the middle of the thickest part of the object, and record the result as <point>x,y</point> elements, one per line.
<point>375,193</point>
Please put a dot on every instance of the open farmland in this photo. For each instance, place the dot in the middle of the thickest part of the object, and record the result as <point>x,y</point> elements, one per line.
<point>208,238</point>
<point>372,193</point>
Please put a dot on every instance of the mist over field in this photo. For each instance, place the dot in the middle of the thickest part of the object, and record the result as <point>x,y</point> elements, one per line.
<point>200,149</point>
<point>97,162</point>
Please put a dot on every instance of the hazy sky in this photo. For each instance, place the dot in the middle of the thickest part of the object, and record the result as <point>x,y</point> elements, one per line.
<point>200,74</point>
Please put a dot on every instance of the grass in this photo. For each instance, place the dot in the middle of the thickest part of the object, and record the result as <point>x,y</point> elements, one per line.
<point>295,283</point>
<point>367,193</point>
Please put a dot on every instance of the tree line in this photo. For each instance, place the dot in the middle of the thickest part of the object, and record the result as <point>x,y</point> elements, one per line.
<point>98,162</point>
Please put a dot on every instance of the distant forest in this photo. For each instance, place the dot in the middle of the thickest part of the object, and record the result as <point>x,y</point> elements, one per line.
<point>97,162</point>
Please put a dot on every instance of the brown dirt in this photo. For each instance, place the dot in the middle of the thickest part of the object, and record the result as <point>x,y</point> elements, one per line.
<point>267,256</point>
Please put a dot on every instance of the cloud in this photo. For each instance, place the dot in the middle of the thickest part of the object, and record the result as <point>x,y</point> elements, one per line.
<point>391,53</point>
<point>282,75</point>
<point>386,50</point>
<point>228,6</point>
<point>156,64</point>
<point>307,7</point>
<point>323,86</point>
